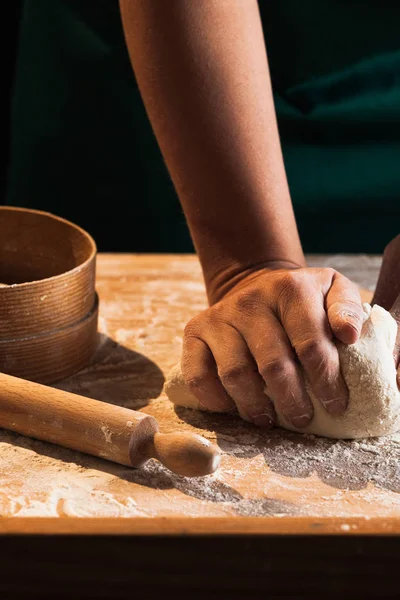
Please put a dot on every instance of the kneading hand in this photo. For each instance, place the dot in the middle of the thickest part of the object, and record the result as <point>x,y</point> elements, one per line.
<point>387,293</point>
<point>258,334</point>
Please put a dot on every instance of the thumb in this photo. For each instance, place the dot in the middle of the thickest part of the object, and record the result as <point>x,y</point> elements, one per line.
<point>388,285</point>
<point>395,312</point>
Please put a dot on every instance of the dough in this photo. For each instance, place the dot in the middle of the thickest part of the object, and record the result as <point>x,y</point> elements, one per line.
<point>369,371</point>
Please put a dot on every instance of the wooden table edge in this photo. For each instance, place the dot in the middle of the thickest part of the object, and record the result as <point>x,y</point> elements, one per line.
<point>204,526</point>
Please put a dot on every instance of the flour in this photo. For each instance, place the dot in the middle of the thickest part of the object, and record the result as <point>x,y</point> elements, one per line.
<point>47,485</point>
<point>107,434</point>
<point>282,473</point>
<point>369,371</point>
<point>354,473</point>
<point>43,480</point>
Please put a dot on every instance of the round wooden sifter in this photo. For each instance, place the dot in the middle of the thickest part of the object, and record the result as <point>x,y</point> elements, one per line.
<point>48,330</point>
<point>48,302</point>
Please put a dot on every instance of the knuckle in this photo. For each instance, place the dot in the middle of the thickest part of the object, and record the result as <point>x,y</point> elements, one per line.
<point>348,306</point>
<point>325,273</point>
<point>311,351</point>
<point>248,300</point>
<point>349,310</point>
<point>331,272</point>
<point>202,322</point>
<point>233,374</point>
<point>353,289</point>
<point>291,283</point>
<point>195,326</point>
<point>216,312</point>
<point>278,368</point>
<point>191,328</point>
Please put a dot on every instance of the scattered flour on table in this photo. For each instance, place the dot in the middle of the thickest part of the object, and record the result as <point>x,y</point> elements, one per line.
<point>39,479</point>
<point>370,467</point>
<point>36,484</point>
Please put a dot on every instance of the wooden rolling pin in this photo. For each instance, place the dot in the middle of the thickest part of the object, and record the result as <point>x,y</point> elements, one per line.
<point>118,434</point>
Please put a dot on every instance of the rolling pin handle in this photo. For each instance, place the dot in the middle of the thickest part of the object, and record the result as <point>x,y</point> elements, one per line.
<point>183,453</point>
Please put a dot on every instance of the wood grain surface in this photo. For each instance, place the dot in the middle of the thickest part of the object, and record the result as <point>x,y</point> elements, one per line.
<point>259,526</point>
<point>48,303</point>
<point>145,302</point>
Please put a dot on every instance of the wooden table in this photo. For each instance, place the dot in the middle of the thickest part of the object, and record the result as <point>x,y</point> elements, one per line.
<point>276,496</point>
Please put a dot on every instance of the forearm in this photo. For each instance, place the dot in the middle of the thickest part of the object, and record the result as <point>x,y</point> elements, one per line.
<point>203,74</point>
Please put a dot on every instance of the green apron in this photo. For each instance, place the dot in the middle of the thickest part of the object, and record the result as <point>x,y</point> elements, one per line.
<point>82,146</point>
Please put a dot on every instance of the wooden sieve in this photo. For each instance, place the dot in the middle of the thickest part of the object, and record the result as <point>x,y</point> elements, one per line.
<point>48,302</point>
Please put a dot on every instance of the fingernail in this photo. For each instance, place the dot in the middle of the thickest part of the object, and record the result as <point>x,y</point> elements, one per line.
<point>301,421</point>
<point>348,331</point>
<point>263,421</point>
<point>335,406</point>
<point>356,324</point>
<point>355,328</point>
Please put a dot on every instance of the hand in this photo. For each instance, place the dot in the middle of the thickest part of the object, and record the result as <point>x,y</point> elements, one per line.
<point>268,323</point>
<point>387,293</point>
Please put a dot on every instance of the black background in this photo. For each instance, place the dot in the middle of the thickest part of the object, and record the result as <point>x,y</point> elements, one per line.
<point>9,51</point>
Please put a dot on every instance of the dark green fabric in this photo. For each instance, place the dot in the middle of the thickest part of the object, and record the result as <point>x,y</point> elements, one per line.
<point>335,69</point>
<point>82,146</point>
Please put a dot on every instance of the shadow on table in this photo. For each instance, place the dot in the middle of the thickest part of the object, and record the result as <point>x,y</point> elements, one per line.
<point>154,476</point>
<point>117,375</point>
<point>126,378</point>
<point>341,464</point>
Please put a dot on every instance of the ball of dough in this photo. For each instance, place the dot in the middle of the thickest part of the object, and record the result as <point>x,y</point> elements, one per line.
<point>369,371</point>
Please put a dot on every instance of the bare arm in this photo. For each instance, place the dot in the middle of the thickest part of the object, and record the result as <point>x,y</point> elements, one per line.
<point>203,74</point>
<point>202,70</point>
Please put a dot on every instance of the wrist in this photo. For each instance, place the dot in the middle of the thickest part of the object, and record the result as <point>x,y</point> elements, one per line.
<point>231,277</point>
<point>232,247</point>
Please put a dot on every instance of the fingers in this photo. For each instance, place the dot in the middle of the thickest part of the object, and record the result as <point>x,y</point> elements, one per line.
<point>261,336</point>
<point>306,324</point>
<point>276,362</point>
<point>239,376</point>
<point>201,378</point>
<point>388,285</point>
<point>344,309</point>
<point>395,312</point>
<point>220,371</point>
<point>387,293</point>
